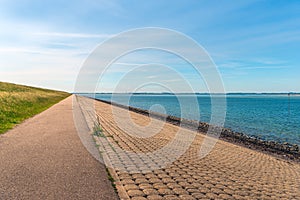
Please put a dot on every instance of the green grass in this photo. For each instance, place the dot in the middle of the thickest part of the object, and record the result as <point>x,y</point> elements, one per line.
<point>98,130</point>
<point>111,179</point>
<point>18,102</point>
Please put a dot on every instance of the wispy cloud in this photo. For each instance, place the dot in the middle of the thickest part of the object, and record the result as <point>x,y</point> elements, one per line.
<point>73,35</point>
<point>17,50</point>
<point>128,64</point>
<point>254,64</point>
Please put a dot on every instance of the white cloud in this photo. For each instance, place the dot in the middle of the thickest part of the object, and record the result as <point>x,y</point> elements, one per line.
<point>253,64</point>
<point>127,64</point>
<point>73,35</point>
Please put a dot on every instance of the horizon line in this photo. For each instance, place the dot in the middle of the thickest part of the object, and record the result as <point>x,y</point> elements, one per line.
<point>278,93</point>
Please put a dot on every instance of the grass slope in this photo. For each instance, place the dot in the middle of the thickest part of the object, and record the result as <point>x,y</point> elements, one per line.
<point>18,102</point>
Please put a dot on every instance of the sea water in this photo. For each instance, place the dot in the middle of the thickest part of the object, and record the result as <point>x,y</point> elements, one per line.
<point>268,117</point>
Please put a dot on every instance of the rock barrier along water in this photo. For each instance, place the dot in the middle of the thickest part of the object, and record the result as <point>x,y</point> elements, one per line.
<point>283,150</point>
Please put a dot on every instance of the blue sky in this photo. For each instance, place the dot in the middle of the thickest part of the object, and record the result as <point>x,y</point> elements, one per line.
<point>255,44</point>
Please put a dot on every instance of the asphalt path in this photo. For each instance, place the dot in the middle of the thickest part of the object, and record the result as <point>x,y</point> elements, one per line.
<point>43,158</point>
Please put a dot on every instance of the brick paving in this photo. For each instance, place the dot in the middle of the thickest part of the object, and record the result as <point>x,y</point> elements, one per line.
<point>146,168</point>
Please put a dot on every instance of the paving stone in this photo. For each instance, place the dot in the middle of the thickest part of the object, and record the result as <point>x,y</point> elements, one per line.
<point>174,175</point>
<point>150,192</point>
<point>179,179</point>
<point>135,193</point>
<point>171,197</point>
<point>173,185</point>
<point>198,195</point>
<point>139,198</point>
<point>225,196</point>
<point>154,197</point>
<point>137,176</point>
<point>127,181</point>
<point>192,190</point>
<point>145,186</point>
<point>184,184</point>
<point>150,175</point>
<point>141,180</point>
<point>186,197</point>
<point>160,186</point>
<point>131,187</point>
<point>216,190</point>
<point>241,197</point>
<point>155,180</point>
<point>164,191</point>
<point>163,175</point>
<point>211,195</point>
<point>167,180</point>
<point>180,191</point>
<point>228,191</point>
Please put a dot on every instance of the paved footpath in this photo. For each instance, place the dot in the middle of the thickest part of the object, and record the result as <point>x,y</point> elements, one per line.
<point>43,158</point>
<point>227,172</point>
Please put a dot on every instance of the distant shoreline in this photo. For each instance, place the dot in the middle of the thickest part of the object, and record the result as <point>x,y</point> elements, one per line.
<point>166,93</point>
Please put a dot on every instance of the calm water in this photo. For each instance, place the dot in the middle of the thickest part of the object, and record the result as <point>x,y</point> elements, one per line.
<point>269,117</point>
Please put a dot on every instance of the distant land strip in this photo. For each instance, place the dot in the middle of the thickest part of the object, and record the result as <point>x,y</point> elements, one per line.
<point>196,93</point>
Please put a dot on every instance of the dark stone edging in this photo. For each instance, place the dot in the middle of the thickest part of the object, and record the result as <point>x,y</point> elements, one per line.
<point>285,150</point>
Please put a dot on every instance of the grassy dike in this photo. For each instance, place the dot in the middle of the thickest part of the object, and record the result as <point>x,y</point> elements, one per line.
<point>18,102</point>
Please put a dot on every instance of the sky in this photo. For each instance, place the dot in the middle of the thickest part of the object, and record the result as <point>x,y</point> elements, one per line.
<point>255,45</point>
